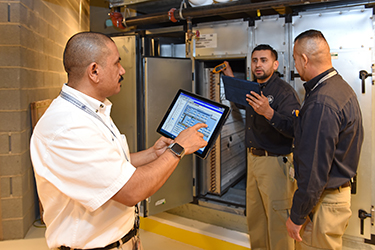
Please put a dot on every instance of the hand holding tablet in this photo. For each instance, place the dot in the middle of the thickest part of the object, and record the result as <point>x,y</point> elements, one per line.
<point>236,89</point>
<point>188,109</point>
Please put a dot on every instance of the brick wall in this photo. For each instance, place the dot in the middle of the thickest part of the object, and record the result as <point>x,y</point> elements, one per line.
<point>33,34</point>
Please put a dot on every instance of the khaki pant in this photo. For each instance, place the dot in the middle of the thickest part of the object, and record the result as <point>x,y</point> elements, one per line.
<point>329,220</point>
<point>269,196</point>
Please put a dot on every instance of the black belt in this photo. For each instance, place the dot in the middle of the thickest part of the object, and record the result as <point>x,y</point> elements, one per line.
<point>262,152</point>
<point>118,243</point>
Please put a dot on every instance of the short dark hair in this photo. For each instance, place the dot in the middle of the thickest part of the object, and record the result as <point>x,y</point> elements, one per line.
<point>266,47</point>
<point>82,49</point>
<point>310,34</point>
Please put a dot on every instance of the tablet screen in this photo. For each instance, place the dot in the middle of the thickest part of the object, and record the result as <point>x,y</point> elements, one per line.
<point>188,109</point>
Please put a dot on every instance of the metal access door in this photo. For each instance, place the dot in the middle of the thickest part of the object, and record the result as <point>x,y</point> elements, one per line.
<point>349,33</point>
<point>124,109</point>
<point>163,77</point>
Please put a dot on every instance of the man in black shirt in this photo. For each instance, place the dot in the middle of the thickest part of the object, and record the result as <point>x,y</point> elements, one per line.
<point>328,140</point>
<point>269,139</point>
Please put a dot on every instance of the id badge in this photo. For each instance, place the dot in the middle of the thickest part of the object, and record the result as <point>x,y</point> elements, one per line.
<point>291,173</point>
<point>290,166</point>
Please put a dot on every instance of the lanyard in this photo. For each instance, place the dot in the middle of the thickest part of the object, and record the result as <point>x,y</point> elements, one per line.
<point>83,107</point>
<point>326,77</point>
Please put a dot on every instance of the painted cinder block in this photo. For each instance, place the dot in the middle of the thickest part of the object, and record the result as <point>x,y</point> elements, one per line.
<point>13,229</point>
<point>10,77</point>
<point>14,164</point>
<point>14,121</point>
<point>10,56</point>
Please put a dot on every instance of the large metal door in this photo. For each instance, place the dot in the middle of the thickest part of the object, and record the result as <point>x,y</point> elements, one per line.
<point>349,33</point>
<point>124,110</point>
<point>138,116</point>
<point>163,77</point>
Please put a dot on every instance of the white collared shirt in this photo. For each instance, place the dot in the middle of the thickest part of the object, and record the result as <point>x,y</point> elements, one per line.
<point>79,165</point>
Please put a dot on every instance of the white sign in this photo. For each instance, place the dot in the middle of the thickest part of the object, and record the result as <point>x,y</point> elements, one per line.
<point>206,41</point>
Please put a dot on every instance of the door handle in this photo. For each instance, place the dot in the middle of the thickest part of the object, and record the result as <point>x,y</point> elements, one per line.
<point>363,75</point>
<point>362,214</point>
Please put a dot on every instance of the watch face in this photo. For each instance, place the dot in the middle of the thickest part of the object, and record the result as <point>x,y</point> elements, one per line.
<point>177,148</point>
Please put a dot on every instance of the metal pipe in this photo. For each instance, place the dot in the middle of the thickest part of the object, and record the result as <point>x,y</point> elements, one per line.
<point>214,10</point>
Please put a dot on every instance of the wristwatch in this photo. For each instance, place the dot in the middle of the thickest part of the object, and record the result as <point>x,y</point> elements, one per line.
<point>177,149</point>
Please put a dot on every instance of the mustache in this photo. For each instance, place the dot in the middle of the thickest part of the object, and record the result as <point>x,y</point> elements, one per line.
<point>121,78</point>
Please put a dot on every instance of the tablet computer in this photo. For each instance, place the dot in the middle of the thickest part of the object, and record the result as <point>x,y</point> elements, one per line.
<point>236,89</point>
<point>188,109</point>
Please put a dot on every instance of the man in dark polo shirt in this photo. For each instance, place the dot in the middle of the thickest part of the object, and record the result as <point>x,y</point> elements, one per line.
<point>269,139</point>
<point>328,141</point>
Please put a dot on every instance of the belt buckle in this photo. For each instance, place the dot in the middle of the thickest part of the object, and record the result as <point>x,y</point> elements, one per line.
<point>121,243</point>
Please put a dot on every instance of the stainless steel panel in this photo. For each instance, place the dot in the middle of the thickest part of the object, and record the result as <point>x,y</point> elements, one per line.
<point>271,30</point>
<point>124,104</point>
<point>173,50</point>
<point>163,78</point>
<point>223,39</point>
<point>349,33</point>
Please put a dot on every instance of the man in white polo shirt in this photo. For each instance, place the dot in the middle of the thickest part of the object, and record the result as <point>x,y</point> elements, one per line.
<point>87,180</point>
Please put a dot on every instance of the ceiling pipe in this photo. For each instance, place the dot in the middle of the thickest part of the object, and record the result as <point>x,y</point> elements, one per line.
<point>213,10</point>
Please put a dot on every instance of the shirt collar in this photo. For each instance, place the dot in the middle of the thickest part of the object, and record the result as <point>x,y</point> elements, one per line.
<point>309,85</point>
<point>263,85</point>
<point>92,103</point>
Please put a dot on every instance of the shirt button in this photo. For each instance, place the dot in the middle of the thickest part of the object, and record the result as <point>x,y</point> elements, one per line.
<point>251,116</point>
<point>101,105</point>
<point>96,111</point>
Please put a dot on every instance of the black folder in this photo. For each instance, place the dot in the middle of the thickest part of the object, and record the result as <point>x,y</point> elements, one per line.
<point>236,89</point>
